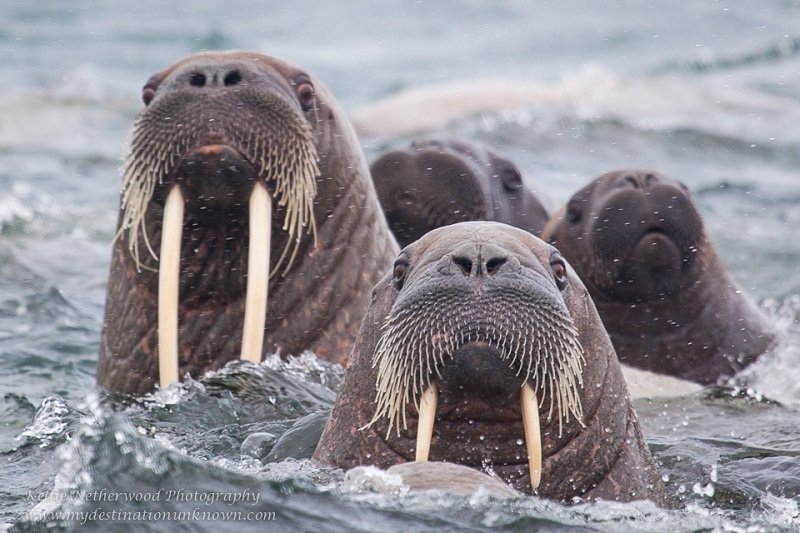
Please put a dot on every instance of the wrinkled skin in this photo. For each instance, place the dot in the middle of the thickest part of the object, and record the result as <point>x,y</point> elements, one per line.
<point>638,242</point>
<point>317,305</point>
<point>434,183</point>
<point>478,421</point>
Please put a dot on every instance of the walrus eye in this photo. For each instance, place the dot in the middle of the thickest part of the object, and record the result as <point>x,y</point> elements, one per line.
<point>559,268</point>
<point>400,268</point>
<point>148,93</point>
<point>305,94</point>
<point>574,211</point>
<point>512,180</point>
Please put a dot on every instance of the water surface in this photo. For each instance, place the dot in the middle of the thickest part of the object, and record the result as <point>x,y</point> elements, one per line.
<point>705,92</point>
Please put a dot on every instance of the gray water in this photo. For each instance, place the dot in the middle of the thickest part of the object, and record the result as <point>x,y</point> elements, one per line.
<point>706,92</point>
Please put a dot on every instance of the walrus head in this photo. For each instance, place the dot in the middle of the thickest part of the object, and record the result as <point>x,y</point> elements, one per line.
<point>638,242</point>
<point>632,235</point>
<point>216,128</point>
<point>236,164</point>
<point>433,183</point>
<point>482,347</point>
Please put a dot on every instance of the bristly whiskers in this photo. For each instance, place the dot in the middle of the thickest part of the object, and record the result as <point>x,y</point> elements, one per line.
<point>538,339</point>
<point>280,144</point>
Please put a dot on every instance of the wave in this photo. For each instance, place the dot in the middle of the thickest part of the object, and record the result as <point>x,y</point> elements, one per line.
<point>785,48</point>
<point>590,94</point>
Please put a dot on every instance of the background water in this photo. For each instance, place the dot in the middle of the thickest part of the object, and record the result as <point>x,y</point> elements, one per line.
<point>707,92</point>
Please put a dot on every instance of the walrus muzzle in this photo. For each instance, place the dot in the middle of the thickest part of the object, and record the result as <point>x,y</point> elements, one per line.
<point>526,326</point>
<point>281,149</point>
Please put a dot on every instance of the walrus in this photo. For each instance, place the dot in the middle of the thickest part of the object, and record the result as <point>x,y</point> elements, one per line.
<point>436,182</point>
<point>638,242</point>
<point>245,170</point>
<point>482,347</point>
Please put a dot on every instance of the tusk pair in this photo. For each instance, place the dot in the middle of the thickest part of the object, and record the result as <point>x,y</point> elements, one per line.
<point>255,310</point>
<point>530,423</point>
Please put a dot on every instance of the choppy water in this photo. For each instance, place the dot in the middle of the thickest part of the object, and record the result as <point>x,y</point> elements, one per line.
<point>706,92</point>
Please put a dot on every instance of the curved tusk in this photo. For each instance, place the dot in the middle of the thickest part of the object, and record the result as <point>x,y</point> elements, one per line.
<point>168,275</point>
<point>255,306</point>
<point>427,416</point>
<point>533,436</point>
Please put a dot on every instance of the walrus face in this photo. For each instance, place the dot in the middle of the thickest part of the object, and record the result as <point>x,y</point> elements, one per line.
<point>481,337</point>
<point>217,125</point>
<point>435,183</point>
<point>633,236</point>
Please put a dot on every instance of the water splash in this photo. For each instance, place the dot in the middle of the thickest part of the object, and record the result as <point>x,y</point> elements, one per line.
<point>49,423</point>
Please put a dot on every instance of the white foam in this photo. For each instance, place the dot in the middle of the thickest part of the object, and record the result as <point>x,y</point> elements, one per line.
<point>776,374</point>
<point>373,479</point>
<point>12,209</point>
<point>49,421</point>
<point>646,384</point>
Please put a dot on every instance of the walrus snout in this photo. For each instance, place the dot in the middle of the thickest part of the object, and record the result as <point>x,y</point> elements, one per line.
<point>645,236</point>
<point>217,180</point>
<point>476,260</point>
<point>632,234</point>
<point>477,374</point>
<point>216,74</point>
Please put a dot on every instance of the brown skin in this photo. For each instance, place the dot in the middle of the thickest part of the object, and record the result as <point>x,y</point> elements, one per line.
<point>478,420</point>
<point>318,304</point>
<point>434,183</point>
<point>638,242</point>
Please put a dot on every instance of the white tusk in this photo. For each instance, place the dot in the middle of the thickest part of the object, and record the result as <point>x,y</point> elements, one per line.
<point>168,275</point>
<point>427,416</point>
<point>533,435</point>
<point>255,304</point>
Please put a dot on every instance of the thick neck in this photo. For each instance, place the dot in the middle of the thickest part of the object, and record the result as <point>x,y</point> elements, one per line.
<point>701,333</point>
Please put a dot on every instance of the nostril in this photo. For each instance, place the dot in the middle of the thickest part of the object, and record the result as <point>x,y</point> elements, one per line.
<point>464,264</point>
<point>650,179</point>
<point>232,78</point>
<point>494,264</point>
<point>632,180</point>
<point>198,79</point>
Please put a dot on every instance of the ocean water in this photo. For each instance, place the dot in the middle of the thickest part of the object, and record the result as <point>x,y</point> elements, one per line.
<point>707,92</point>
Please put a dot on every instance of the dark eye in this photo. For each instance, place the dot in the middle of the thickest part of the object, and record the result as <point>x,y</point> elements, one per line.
<point>148,93</point>
<point>305,94</point>
<point>400,269</point>
<point>512,180</point>
<point>559,268</point>
<point>574,211</point>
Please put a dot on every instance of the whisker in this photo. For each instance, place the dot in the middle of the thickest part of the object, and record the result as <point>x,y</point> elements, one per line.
<point>282,148</point>
<point>416,339</point>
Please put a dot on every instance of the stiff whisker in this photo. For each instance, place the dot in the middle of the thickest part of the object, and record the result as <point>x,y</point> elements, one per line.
<point>416,339</point>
